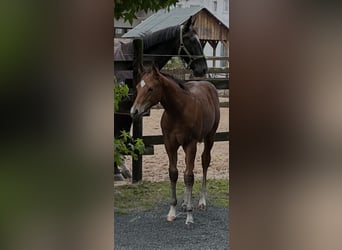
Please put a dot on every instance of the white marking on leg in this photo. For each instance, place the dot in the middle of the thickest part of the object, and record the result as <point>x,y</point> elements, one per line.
<point>185,201</point>
<point>184,204</point>
<point>142,83</point>
<point>202,204</point>
<point>172,213</point>
<point>187,198</point>
<point>189,218</point>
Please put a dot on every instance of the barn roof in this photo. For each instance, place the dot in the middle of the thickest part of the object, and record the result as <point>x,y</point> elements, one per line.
<point>163,19</point>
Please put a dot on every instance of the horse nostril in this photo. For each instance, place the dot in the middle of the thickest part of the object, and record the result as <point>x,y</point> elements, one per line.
<point>134,112</point>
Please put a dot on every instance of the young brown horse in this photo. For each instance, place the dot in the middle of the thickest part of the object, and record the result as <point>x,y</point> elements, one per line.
<point>191,115</point>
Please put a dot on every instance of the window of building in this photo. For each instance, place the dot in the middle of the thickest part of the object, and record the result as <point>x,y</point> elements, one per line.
<point>215,5</point>
<point>119,31</point>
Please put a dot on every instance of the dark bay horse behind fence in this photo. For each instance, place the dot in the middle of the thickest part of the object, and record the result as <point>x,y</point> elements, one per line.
<point>191,115</point>
<point>181,40</point>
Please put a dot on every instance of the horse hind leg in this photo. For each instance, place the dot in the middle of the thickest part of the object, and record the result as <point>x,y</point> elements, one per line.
<point>190,154</point>
<point>206,158</point>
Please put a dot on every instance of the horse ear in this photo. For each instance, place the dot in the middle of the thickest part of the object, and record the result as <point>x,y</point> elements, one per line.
<point>141,69</point>
<point>155,69</point>
<point>188,24</point>
<point>193,20</point>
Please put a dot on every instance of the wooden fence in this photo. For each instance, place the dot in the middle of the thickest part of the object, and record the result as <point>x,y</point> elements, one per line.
<point>151,140</point>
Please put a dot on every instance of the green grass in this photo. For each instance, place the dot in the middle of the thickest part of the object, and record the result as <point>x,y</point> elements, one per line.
<point>145,196</point>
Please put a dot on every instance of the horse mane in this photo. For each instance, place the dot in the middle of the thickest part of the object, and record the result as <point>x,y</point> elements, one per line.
<point>181,83</point>
<point>160,36</point>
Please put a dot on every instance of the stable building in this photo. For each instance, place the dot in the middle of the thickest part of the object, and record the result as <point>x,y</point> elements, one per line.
<point>212,32</point>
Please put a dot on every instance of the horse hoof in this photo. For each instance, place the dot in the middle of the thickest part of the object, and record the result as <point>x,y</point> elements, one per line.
<point>184,208</point>
<point>189,224</point>
<point>171,218</point>
<point>202,207</point>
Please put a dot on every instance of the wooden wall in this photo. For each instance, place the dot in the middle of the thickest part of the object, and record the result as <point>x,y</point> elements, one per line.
<point>208,28</point>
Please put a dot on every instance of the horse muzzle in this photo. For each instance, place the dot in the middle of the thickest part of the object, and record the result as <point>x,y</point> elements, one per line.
<point>199,71</point>
<point>137,111</point>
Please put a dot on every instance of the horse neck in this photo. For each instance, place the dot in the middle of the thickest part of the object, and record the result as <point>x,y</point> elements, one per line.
<point>162,49</point>
<point>174,98</point>
<point>167,48</point>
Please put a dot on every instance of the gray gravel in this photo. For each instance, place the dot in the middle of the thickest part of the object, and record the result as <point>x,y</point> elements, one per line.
<point>150,230</point>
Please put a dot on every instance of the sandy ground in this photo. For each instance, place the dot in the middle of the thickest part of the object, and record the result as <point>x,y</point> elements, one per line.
<point>155,167</point>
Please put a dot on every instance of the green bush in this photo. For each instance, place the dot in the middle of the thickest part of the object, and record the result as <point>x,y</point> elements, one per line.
<point>174,63</point>
<point>125,144</point>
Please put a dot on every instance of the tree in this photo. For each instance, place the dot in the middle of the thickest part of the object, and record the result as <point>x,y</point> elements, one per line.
<point>127,9</point>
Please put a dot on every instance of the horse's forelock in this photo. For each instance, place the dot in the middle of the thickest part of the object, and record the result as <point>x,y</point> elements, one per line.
<point>147,70</point>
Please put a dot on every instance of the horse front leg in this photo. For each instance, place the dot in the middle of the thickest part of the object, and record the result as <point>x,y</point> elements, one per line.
<point>173,174</point>
<point>190,154</point>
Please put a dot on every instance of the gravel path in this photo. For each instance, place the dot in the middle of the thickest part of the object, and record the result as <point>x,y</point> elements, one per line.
<point>150,230</point>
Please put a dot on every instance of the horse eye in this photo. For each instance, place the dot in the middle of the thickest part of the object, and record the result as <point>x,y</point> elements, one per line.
<point>150,89</point>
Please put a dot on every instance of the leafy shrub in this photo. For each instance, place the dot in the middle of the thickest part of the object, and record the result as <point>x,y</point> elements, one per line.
<point>125,144</point>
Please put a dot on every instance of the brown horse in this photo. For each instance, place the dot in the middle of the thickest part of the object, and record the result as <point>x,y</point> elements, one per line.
<point>191,115</point>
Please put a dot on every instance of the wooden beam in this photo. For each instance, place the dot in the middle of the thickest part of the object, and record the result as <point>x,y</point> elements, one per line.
<point>217,57</point>
<point>137,124</point>
<point>149,150</point>
<point>224,104</point>
<point>203,43</point>
<point>222,136</point>
<point>153,140</point>
<point>158,139</point>
<point>219,83</point>
<point>123,65</point>
<point>213,43</point>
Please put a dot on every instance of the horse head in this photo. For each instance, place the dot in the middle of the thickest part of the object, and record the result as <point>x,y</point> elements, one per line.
<point>190,49</point>
<point>149,91</point>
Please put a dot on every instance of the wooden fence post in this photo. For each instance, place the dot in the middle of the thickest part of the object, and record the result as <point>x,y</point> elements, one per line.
<point>137,124</point>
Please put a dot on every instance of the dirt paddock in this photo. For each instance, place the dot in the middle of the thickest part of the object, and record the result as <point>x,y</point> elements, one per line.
<point>155,167</point>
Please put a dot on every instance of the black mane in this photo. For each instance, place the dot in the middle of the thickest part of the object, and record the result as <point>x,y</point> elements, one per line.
<point>152,39</point>
<point>181,83</point>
